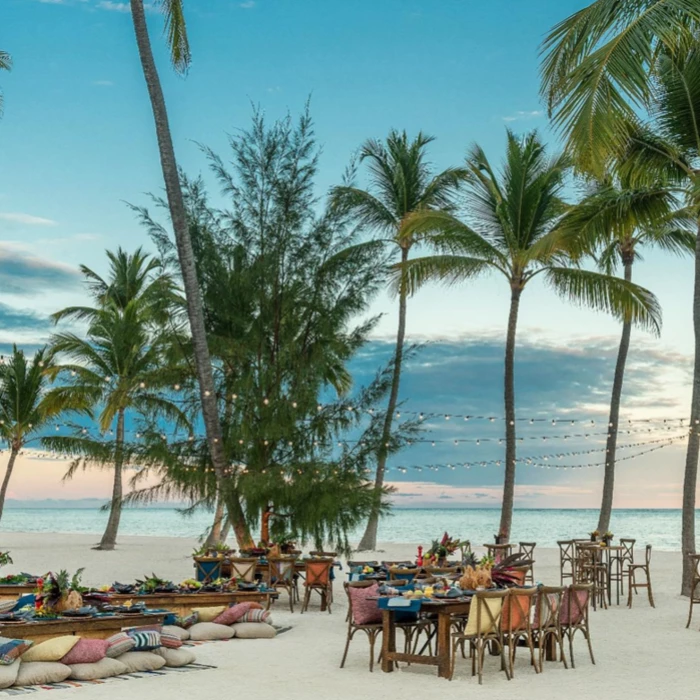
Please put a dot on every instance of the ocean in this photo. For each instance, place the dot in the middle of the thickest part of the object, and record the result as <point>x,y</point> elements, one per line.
<point>660,528</point>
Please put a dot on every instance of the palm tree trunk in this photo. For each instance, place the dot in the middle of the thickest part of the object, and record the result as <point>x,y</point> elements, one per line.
<point>237,518</point>
<point>369,539</point>
<point>690,479</point>
<point>226,528</point>
<point>6,481</point>
<point>611,444</point>
<point>509,396</point>
<point>185,252</point>
<point>214,535</point>
<point>109,539</point>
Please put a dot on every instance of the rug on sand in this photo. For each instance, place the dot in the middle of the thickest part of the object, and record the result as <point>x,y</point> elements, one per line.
<point>165,671</point>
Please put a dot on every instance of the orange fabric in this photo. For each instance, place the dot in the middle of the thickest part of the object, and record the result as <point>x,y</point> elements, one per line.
<point>518,576</point>
<point>255,606</point>
<point>318,573</point>
<point>515,611</point>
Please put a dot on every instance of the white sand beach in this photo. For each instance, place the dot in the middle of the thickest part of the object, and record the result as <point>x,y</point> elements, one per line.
<point>640,653</point>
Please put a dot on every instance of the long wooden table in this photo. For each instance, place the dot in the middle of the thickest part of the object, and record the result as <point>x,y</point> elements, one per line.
<point>183,603</point>
<point>12,591</point>
<point>90,627</point>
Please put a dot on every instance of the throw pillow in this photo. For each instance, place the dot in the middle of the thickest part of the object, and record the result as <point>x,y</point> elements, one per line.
<point>146,639</point>
<point>171,641</point>
<point>8,674</point>
<point>51,650</point>
<point>232,614</point>
<point>41,673</point>
<point>12,649</point>
<point>208,614</point>
<point>119,644</point>
<point>175,658</point>
<point>365,611</point>
<point>257,616</point>
<point>86,651</point>
<point>206,631</point>
<point>187,621</point>
<point>104,668</point>
<point>253,630</point>
<point>173,631</point>
<point>136,661</point>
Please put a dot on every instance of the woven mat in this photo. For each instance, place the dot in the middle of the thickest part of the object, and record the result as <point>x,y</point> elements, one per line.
<point>165,671</point>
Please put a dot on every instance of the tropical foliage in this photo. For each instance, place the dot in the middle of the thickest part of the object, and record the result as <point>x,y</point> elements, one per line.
<point>5,64</point>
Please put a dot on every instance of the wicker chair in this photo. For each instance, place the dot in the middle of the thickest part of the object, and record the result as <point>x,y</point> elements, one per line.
<point>482,631</point>
<point>516,623</point>
<point>281,573</point>
<point>632,571</point>
<point>244,568</point>
<point>566,559</point>
<point>694,593</point>
<point>547,622</point>
<point>317,577</point>
<point>372,630</point>
<point>574,616</point>
<point>528,550</point>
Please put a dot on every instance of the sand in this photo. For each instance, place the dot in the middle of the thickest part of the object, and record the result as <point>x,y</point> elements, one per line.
<point>640,653</point>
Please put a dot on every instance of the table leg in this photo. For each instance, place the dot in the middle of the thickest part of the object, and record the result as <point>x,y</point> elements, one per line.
<point>388,640</point>
<point>550,648</point>
<point>443,644</point>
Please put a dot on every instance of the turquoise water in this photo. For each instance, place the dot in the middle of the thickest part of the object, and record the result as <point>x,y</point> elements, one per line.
<point>660,528</point>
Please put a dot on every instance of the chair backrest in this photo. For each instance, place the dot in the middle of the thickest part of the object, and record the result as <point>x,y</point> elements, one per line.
<point>648,554</point>
<point>281,568</point>
<point>694,562</point>
<point>566,552</point>
<point>355,564</point>
<point>549,606</point>
<point>317,572</point>
<point>577,598</point>
<point>527,548</point>
<point>519,573</point>
<point>627,545</point>
<point>244,568</point>
<point>348,586</point>
<point>485,613</point>
<point>401,574</point>
<point>517,609</point>
<point>324,555</point>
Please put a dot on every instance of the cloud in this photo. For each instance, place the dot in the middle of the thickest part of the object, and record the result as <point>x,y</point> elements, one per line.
<point>24,274</point>
<point>114,6</point>
<point>103,83</point>
<point>247,5</point>
<point>13,319</point>
<point>522,115</point>
<point>26,219</point>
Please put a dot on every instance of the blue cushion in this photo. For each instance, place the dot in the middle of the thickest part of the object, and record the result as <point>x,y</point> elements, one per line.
<point>28,599</point>
<point>12,649</point>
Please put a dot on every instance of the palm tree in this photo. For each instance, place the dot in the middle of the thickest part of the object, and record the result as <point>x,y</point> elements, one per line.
<point>618,220</point>
<point>176,33</point>
<point>25,407</point>
<point>5,64</point>
<point>118,367</point>
<point>400,183</point>
<point>516,215</point>
<point>603,66</point>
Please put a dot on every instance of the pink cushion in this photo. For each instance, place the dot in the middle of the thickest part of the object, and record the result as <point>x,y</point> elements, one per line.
<point>86,651</point>
<point>255,616</point>
<point>573,615</point>
<point>232,614</point>
<point>364,611</point>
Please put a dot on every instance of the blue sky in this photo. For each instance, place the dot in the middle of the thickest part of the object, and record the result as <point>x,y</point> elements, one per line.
<point>77,142</point>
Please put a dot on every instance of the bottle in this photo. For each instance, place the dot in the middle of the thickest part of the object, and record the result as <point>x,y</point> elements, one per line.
<point>419,558</point>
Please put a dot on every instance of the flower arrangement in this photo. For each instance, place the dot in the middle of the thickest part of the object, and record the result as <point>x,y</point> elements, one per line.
<point>500,538</point>
<point>594,535</point>
<point>57,592</point>
<point>442,549</point>
<point>5,559</point>
<point>608,537</point>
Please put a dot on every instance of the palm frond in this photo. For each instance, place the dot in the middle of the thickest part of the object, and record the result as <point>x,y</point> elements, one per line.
<point>176,34</point>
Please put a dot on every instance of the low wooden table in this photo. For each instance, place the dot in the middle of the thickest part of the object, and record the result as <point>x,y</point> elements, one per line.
<point>13,591</point>
<point>90,628</point>
<point>183,603</point>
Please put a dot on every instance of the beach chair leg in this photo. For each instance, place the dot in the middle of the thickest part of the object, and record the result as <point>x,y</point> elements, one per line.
<point>345,653</point>
<point>371,652</point>
<point>629,588</point>
<point>651,594</point>
<point>571,649</point>
<point>590,647</point>
<point>307,596</point>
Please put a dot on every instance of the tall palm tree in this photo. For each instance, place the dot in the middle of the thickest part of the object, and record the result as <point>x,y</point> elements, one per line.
<point>603,66</point>
<point>5,64</point>
<point>400,183</point>
<point>619,220</point>
<point>25,406</point>
<point>515,216</point>
<point>176,34</point>
<point>117,367</point>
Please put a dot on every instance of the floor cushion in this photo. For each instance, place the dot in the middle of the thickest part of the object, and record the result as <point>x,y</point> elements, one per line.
<point>12,649</point>
<point>257,616</point>
<point>174,631</point>
<point>171,641</point>
<point>51,650</point>
<point>232,614</point>
<point>8,674</point>
<point>41,672</point>
<point>208,614</point>
<point>204,631</point>
<point>86,651</point>
<point>136,661</point>
<point>119,644</point>
<point>253,630</point>
<point>104,668</point>
<point>174,658</point>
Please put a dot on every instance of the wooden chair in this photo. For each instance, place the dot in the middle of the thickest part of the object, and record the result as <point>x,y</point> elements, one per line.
<point>516,623</point>
<point>546,625</point>
<point>566,559</point>
<point>627,554</point>
<point>243,569</point>
<point>281,573</point>
<point>317,577</point>
<point>528,550</point>
<point>694,594</point>
<point>499,551</point>
<point>372,630</point>
<point>483,631</point>
<point>590,568</point>
<point>632,581</point>
<point>574,616</point>
<point>402,574</point>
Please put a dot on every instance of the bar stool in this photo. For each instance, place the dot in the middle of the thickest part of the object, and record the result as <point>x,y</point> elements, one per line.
<point>633,585</point>
<point>499,551</point>
<point>566,558</point>
<point>527,549</point>
<point>592,569</point>
<point>627,555</point>
<point>694,594</point>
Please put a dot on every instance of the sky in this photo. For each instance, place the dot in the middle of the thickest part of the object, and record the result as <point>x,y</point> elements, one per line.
<point>77,144</point>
